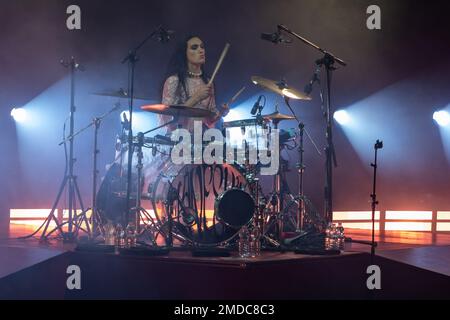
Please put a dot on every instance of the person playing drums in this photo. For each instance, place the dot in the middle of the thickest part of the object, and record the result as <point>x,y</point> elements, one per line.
<point>187,84</point>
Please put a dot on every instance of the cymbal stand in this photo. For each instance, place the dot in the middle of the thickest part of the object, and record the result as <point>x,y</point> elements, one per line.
<point>132,58</point>
<point>301,170</point>
<point>281,212</point>
<point>95,219</point>
<point>301,167</point>
<point>69,179</point>
<point>138,210</point>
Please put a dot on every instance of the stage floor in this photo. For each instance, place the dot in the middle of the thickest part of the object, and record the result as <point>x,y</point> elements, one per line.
<point>29,264</point>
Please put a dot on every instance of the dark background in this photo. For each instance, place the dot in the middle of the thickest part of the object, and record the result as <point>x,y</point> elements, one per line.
<point>395,79</point>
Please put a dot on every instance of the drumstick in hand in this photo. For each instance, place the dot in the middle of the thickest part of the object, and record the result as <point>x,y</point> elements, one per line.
<point>236,96</point>
<point>219,63</point>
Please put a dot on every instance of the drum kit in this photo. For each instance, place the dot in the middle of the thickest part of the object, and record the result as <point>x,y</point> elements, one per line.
<point>207,204</point>
<point>199,203</point>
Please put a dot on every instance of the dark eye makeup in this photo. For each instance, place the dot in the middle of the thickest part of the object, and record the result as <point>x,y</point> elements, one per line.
<point>195,46</point>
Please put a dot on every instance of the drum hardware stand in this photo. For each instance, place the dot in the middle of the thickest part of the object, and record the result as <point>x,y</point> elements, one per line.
<point>301,169</point>
<point>277,196</point>
<point>138,209</point>
<point>327,61</point>
<point>69,178</point>
<point>171,197</point>
<point>95,219</point>
<point>161,36</point>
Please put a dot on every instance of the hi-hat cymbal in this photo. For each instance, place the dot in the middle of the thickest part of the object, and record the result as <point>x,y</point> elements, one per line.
<point>177,110</point>
<point>280,87</point>
<point>277,116</point>
<point>121,93</point>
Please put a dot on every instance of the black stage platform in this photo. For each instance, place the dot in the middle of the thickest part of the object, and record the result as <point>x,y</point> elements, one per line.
<point>37,272</point>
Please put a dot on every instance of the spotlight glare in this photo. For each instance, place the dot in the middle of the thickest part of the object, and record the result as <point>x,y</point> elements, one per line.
<point>342,117</point>
<point>232,116</point>
<point>19,114</point>
<point>125,113</point>
<point>442,118</point>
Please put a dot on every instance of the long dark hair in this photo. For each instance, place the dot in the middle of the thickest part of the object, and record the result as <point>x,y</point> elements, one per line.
<point>178,64</point>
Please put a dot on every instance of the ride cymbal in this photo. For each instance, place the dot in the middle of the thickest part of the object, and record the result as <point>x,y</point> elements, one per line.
<point>280,87</point>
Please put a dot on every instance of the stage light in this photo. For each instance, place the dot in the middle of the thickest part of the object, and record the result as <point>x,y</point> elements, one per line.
<point>342,117</point>
<point>19,114</point>
<point>442,118</point>
<point>142,121</point>
<point>232,115</point>
<point>125,115</point>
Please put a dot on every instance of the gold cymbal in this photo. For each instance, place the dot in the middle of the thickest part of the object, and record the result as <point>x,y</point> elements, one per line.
<point>280,87</point>
<point>121,93</point>
<point>277,116</point>
<point>177,110</point>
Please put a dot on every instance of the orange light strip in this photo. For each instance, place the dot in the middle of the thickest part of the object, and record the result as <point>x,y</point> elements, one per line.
<point>360,225</point>
<point>79,211</point>
<point>32,223</point>
<point>409,215</point>
<point>443,226</point>
<point>407,226</point>
<point>354,215</point>
<point>443,215</point>
<point>30,213</point>
<point>350,219</point>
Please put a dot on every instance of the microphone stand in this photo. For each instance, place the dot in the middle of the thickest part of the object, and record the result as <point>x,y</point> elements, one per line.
<point>373,196</point>
<point>132,58</point>
<point>328,60</point>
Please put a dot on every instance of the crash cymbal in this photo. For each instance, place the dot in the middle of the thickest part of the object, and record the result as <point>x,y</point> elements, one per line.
<point>277,116</point>
<point>121,93</point>
<point>177,110</point>
<point>280,87</point>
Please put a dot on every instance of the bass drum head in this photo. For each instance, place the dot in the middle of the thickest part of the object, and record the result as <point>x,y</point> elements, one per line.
<point>111,204</point>
<point>112,195</point>
<point>234,208</point>
<point>194,191</point>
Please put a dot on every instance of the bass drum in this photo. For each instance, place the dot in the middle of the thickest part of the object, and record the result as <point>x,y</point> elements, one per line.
<point>112,195</point>
<point>210,203</point>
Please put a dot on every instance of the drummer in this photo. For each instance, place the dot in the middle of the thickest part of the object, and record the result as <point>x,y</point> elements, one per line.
<point>187,84</point>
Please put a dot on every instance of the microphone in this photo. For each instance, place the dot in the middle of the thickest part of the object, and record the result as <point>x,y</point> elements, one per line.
<point>275,37</point>
<point>256,106</point>
<point>164,35</point>
<point>76,65</point>
<point>314,78</point>
<point>308,87</point>
<point>272,37</point>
